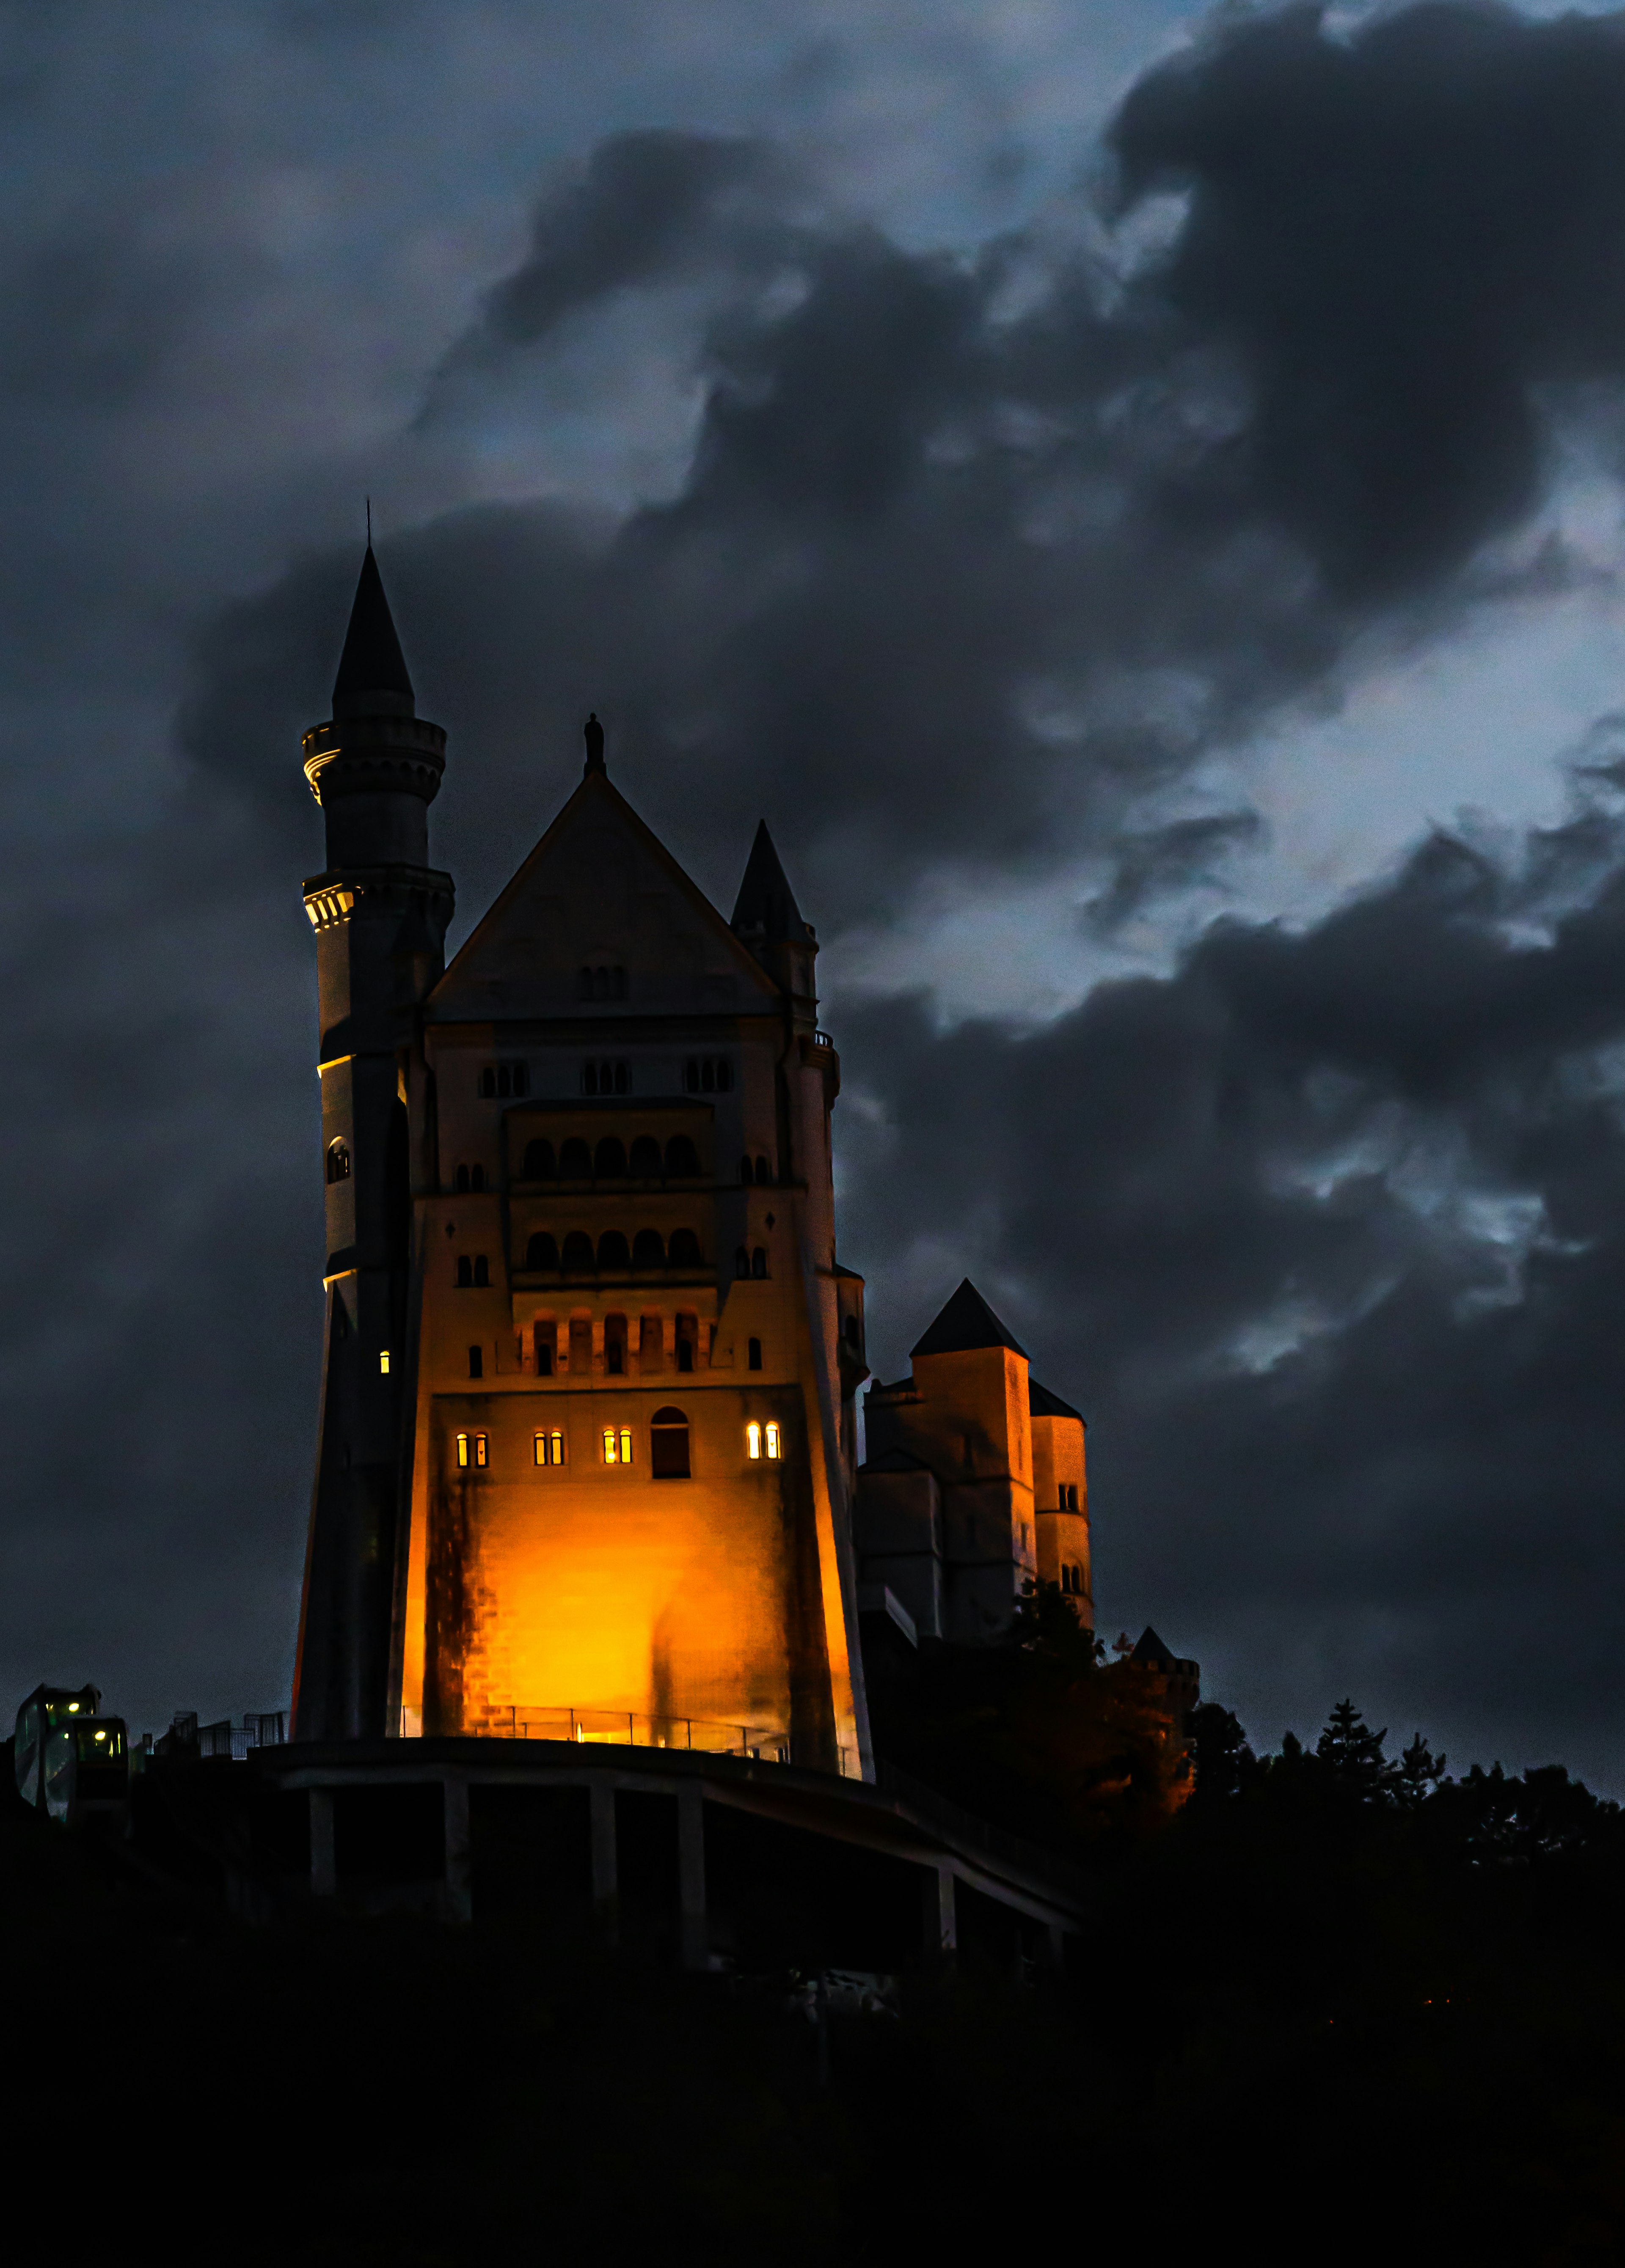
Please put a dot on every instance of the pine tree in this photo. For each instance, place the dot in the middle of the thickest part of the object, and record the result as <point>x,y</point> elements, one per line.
<point>1419,1772</point>
<point>1352,1756</point>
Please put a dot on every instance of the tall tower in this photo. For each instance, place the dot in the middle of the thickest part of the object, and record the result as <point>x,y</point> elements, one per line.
<point>380,912</point>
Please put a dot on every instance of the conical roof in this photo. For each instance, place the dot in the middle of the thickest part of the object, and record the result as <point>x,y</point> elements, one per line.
<point>766,903</point>
<point>372,670</point>
<point>965,1322</point>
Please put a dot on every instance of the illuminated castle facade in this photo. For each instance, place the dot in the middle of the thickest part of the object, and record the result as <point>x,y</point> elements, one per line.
<point>587,1458</point>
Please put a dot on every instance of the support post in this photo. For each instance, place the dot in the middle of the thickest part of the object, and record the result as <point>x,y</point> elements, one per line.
<point>691,1875</point>
<point>606,1881</point>
<point>459,1868</point>
<point>323,1868</point>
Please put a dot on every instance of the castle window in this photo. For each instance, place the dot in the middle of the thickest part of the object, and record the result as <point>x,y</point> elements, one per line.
<point>668,1445</point>
<point>683,1250</point>
<point>601,1077</point>
<point>383,1363</point>
<point>476,1362</point>
<point>618,1445</point>
<point>550,1448</point>
<point>758,1262</point>
<point>338,1162</point>
<point>575,1160</point>
<point>500,1081</point>
<point>612,1253</point>
<point>741,1264</point>
<point>762,1172</point>
<point>753,1440</point>
<point>708,1075</point>
<point>471,1449</point>
<point>542,1252</point>
<point>465,1272</point>
<point>470,1177</point>
<point>754,1355</point>
<point>649,1251</point>
<point>645,1164</point>
<point>540,1163</point>
<point>603,983</point>
<point>609,1159</point>
<point>578,1254</point>
<point>681,1160</point>
<point>772,1431</point>
<point>543,1337</point>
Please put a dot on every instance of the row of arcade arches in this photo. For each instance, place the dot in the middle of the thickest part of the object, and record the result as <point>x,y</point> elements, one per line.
<point>610,1160</point>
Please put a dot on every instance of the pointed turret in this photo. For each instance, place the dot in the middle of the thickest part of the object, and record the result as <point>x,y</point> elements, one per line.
<point>768,921</point>
<point>373,679</point>
<point>965,1323</point>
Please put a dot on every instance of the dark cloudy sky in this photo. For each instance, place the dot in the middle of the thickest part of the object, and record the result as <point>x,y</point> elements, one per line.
<point>1134,500</point>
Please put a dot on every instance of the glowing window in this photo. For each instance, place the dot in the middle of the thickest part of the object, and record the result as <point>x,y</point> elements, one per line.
<point>550,1448</point>
<point>383,1362</point>
<point>471,1449</point>
<point>618,1445</point>
<point>338,1162</point>
<point>773,1439</point>
<point>753,1440</point>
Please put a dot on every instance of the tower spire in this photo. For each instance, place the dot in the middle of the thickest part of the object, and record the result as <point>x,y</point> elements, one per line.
<point>373,678</point>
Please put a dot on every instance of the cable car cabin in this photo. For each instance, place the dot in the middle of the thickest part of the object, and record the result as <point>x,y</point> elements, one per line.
<point>46,1707</point>
<point>87,1772</point>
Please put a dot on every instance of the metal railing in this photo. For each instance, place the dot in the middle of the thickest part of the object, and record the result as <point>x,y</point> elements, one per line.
<point>625,1728</point>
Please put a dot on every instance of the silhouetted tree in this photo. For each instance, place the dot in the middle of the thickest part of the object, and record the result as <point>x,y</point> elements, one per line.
<point>1352,1756</point>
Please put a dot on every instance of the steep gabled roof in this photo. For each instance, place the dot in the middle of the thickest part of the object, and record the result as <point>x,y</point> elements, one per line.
<point>372,669</point>
<point>596,806</point>
<point>766,904</point>
<point>965,1322</point>
<point>1042,1403</point>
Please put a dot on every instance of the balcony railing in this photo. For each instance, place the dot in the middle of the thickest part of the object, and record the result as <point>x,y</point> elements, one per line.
<point>625,1728</point>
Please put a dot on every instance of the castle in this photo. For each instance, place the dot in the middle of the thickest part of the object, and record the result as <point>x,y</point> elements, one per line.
<point>588,1460</point>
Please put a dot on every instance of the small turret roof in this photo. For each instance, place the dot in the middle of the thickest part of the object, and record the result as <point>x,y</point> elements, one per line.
<point>1042,1403</point>
<point>371,664</point>
<point>766,903</point>
<point>965,1322</point>
<point>1150,1648</point>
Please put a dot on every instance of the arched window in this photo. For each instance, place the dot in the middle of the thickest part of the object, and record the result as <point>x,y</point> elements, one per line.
<point>612,1253</point>
<point>615,1346</point>
<point>648,1251</point>
<point>609,1161</point>
<point>578,1254</point>
<point>754,1360</point>
<point>542,1252</point>
<point>465,1272</point>
<point>683,1250</point>
<point>744,1169</point>
<point>575,1160</point>
<point>338,1162</point>
<point>708,1075</point>
<point>482,1272</point>
<point>681,1160</point>
<point>668,1445</point>
<point>758,1262</point>
<point>540,1163</point>
<point>544,1338</point>
<point>741,1263</point>
<point>762,1172</point>
<point>645,1159</point>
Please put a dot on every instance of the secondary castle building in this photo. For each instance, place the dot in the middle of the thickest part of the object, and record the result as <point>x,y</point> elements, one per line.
<point>587,1458</point>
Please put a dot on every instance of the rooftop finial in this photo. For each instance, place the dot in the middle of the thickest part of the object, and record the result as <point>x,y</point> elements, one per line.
<point>591,733</point>
<point>369,523</point>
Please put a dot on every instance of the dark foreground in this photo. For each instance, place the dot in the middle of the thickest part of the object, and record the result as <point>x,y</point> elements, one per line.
<point>1323,2014</point>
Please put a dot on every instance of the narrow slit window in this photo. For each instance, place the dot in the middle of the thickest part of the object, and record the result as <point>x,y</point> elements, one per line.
<point>383,1362</point>
<point>772,1431</point>
<point>753,1440</point>
<point>471,1449</point>
<point>338,1162</point>
<point>550,1448</point>
<point>618,1445</point>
